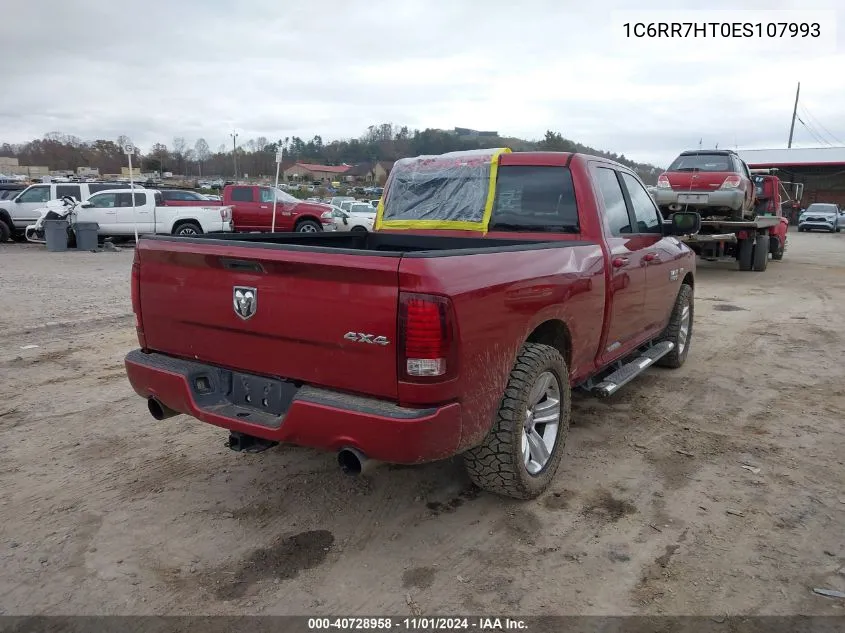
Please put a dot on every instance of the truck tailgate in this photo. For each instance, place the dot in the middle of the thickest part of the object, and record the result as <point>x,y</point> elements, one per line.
<point>306,302</point>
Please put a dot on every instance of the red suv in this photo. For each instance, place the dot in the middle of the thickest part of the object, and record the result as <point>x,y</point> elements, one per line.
<point>711,182</point>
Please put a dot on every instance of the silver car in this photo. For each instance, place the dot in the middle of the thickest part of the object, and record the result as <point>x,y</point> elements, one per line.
<point>821,215</point>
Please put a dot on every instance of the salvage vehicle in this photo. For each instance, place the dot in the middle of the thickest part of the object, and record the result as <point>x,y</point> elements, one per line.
<point>822,216</point>
<point>715,183</point>
<point>494,283</point>
<point>113,211</point>
<point>749,242</point>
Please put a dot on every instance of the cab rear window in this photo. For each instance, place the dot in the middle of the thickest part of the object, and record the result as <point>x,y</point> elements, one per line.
<point>532,197</point>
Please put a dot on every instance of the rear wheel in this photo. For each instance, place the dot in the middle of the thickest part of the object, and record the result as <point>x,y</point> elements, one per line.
<point>679,330</point>
<point>761,253</point>
<point>522,452</point>
<point>5,232</point>
<point>777,255</point>
<point>308,226</point>
<point>359,229</point>
<point>187,229</point>
<point>745,253</point>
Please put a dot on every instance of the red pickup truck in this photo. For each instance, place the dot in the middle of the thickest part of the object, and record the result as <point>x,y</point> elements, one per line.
<point>408,346</point>
<point>252,209</point>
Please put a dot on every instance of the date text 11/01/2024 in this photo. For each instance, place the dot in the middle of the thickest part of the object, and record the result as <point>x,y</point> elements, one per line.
<point>418,624</point>
<point>737,30</point>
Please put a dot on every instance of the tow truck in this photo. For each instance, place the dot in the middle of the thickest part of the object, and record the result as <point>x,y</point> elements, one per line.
<point>750,241</point>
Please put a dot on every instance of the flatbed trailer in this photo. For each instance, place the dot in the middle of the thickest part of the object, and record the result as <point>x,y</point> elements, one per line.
<point>749,242</point>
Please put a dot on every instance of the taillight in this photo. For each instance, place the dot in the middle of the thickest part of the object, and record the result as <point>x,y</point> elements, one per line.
<point>663,182</point>
<point>426,336</point>
<point>731,182</point>
<point>327,218</point>
<point>225,214</point>
<point>136,297</point>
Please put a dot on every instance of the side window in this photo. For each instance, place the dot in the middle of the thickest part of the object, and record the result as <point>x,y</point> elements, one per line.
<point>103,200</point>
<point>266,195</point>
<point>68,190</point>
<point>159,199</point>
<point>125,199</point>
<point>36,194</point>
<point>614,202</point>
<point>242,194</point>
<point>646,214</point>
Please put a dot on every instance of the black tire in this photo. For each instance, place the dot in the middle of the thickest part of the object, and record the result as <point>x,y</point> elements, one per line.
<point>308,226</point>
<point>838,229</point>
<point>676,332</point>
<point>761,253</point>
<point>19,237</point>
<point>778,253</point>
<point>5,232</point>
<point>497,464</point>
<point>745,254</point>
<point>187,229</point>
<point>358,229</point>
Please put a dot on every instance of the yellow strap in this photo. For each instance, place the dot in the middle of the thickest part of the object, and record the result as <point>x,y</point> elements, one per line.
<point>459,225</point>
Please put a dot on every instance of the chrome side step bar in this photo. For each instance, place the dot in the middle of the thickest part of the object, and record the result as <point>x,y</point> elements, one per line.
<point>625,374</point>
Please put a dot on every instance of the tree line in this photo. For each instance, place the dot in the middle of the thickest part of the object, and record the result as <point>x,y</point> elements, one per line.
<point>256,157</point>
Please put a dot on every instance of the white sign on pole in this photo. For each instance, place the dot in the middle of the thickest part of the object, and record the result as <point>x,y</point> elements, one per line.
<point>279,156</point>
<point>129,150</point>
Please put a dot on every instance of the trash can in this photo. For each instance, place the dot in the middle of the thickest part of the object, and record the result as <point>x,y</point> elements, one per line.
<point>55,234</point>
<point>86,236</point>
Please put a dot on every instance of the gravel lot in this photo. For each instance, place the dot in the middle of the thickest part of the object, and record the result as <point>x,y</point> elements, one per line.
<point>106,511</point>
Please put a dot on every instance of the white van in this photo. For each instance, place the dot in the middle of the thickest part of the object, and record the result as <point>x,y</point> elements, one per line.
<point>24,208</point>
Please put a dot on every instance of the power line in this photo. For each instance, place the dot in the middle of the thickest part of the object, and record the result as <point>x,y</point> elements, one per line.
<point>812,132</point>
<point>811,126</point>
<point>819,123</point>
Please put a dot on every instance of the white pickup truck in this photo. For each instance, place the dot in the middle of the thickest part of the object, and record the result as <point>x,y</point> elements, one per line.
<point>112,210</point>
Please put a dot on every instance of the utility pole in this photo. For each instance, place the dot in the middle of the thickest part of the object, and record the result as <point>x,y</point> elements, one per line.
<point>794,114</point>
<point>234,136</point>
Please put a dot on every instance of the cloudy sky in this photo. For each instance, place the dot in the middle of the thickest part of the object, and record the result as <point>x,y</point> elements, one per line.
<point>201,68</point>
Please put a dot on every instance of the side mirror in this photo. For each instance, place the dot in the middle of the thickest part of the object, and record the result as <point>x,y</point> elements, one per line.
<point>86,205</point>
<point>18,200</point>
<point>685,223</point>
<point>345,220</point>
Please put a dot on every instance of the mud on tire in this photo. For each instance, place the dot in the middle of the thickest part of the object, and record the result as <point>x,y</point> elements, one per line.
<point>499,465</point>
<point>675,330</point>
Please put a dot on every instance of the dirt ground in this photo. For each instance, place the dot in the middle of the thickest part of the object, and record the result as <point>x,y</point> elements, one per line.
<point>106,511</point>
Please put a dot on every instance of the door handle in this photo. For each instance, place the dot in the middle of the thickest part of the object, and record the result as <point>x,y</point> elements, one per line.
<point>619,262</point>
<point>265,206</point>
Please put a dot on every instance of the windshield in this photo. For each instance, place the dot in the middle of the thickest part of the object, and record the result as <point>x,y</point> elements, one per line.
<point>702,162</point>
<point>283,196</point>
<point>822,208</point>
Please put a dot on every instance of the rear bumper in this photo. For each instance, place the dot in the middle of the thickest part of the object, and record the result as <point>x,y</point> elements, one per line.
<point>317,418</point>
<point>731,198</point>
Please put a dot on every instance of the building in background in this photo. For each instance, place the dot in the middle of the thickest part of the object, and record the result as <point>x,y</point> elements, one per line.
<point>820,169</point>
<point>88,172</point>
<point>308,172</point>
<point>11,167</point>
<point>466,134</point>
